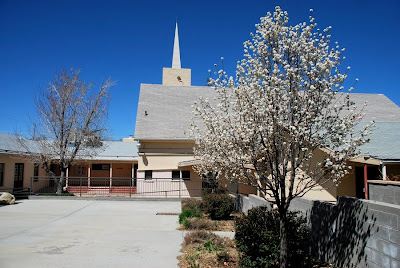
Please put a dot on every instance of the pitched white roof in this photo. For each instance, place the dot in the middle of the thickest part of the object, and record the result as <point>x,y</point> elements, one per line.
<point>9,144</point>
<point>111,150</point>
<point>385,142</point>
<point>164,112</point>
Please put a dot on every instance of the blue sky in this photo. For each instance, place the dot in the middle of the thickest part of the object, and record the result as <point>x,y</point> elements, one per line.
<point>132,41</point>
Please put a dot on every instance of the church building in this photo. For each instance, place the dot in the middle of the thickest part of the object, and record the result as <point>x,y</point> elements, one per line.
<point>165,153</point>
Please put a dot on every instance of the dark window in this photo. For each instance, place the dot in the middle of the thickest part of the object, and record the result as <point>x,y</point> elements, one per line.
<point>176,174</point>
<point>1,173</point>
<point>185,174</point>
<point>181,174</point>
<point>35,172</point>
<point>148,174</point>
<point>101,167</point>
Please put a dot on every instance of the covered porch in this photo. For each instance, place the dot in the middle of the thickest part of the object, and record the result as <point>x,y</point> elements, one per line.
<point>102,177</point>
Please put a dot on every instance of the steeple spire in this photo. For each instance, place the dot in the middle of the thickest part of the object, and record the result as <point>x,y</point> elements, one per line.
<point>176,76</point>
<point>176,56</point>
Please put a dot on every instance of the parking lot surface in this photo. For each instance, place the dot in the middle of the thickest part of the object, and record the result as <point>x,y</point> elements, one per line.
<point>89,233</point>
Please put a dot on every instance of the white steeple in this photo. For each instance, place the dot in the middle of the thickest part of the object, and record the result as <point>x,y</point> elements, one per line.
<point>176,76</point>
<point>176,56</point>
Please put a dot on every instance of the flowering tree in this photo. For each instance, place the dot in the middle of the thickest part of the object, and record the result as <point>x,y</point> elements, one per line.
<point>265,127</point>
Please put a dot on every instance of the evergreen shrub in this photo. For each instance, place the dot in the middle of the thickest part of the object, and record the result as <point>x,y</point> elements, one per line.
<point>218,206</point>
<point>258,239</point>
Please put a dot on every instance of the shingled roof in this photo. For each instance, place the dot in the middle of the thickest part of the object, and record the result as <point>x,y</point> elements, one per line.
<point>384,143</point>
<point>164,112</point>
<point>111,150</point>
<point>9,144</point>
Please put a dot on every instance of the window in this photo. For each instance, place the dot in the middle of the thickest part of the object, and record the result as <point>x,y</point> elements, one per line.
<point>35,172</point>
<point>148,174</point>
<point>101,166</point>
<point>181,174</point>
<point>80,170</point>
<point>185,174</point>
<point>176,174</point>
<point>1,173</point>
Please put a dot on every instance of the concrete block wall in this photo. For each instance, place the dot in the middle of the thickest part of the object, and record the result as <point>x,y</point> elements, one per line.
<point>384,191</point>
<point>351,233</point>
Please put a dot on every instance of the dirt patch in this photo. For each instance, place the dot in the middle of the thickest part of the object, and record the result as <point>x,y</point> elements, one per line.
<point>205,249</point>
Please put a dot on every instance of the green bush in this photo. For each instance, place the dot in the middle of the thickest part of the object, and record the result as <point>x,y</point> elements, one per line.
<point>257,239</point>
<point>187,214</point>
<point>218,206</point>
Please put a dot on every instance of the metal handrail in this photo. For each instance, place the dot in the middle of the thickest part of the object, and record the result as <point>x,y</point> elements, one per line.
<point>117,185</point>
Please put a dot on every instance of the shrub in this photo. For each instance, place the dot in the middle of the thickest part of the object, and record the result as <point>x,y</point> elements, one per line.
<point>198,236</point>
<point>192,204</point>
<point>199,224</point>
<point>219,206</point>
<point>257,239</point>
<point>187,214</point>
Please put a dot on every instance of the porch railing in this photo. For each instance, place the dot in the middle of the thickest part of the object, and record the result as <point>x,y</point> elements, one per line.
<point>117,186</point>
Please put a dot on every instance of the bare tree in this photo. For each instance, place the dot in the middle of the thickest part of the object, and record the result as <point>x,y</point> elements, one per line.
<point>71,121</point>
<point>283,125</point>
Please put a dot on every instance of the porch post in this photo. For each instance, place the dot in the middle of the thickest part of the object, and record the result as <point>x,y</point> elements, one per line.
<point>66,178</point>
<point>366,181</point>
<point>180,181</point>
<point>132,178</point>
<point>88,182</point>
<point>384,171</point>
<point>110,176</point>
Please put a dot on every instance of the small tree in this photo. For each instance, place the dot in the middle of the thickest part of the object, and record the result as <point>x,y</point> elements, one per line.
<point>265,127</point>
<point>70,121</point>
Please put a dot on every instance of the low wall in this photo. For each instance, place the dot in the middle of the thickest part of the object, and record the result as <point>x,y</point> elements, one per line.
<point>352,233</point>
<point>384,191</point>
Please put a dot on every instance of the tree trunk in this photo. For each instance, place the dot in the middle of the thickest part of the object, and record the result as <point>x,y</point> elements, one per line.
<point>60,181</point>
<point>283,258</point>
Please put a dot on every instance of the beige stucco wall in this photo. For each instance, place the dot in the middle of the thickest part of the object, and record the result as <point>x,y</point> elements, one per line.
<point>164,155</point>
<point>170,77</point>
<point>9,162</point>
<point>347,186</point>
<point>161,162</point>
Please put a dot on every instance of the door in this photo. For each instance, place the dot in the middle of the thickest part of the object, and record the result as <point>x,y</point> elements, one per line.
<point>19,175</point>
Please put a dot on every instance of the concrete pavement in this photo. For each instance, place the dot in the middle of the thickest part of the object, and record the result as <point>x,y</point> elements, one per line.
<point>89,233</point>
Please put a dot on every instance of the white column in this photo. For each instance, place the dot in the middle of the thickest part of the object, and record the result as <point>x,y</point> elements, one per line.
<point>384,171</point>
<point>88,173</point>
<point>111,175</point>
<point>66,178</point>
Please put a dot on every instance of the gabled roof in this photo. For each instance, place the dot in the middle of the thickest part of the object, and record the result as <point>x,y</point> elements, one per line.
<point>9,144</point>
<point>116,151</point>
<point>111,150</point>
<point>385,142</point>
<point>164,112</point>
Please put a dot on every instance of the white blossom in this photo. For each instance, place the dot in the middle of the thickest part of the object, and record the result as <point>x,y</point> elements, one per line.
<point>285,104</point>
